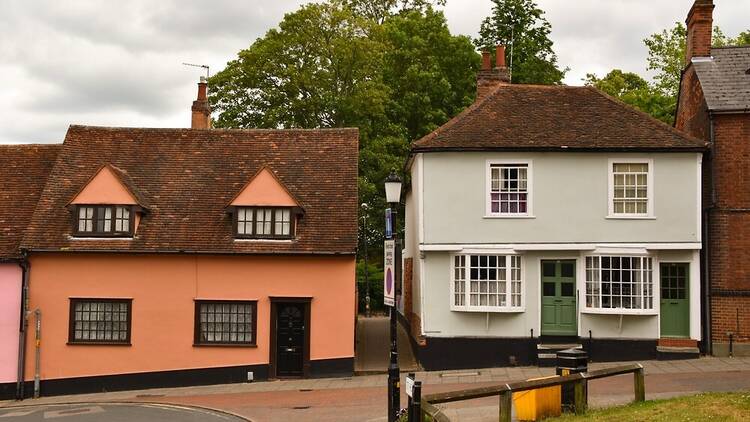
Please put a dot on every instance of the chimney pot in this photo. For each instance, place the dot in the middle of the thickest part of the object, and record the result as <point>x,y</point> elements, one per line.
<point>500,56</point>
<point>486,60</point>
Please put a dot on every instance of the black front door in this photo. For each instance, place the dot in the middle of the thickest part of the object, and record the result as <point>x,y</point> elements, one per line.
<point>290,339</point>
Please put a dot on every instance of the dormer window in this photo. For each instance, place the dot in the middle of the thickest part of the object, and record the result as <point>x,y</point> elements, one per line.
<point>104,220</point>
<point>264,223</point>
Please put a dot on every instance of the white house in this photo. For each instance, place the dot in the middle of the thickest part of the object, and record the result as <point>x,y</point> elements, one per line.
<point>551,215</point>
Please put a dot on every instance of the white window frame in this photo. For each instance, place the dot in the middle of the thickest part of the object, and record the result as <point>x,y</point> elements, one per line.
<point>655,296</point>
<point>529,189</point>
<point>467,286</point>
<point>649,189</point>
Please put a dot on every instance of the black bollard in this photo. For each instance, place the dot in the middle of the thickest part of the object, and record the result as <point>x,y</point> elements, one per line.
<point>571,361</point>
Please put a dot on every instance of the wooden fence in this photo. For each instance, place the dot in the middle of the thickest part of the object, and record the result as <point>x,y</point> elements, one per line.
<point>427,404</point>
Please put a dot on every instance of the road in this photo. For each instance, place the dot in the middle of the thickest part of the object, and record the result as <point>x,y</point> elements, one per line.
<point>95,412</point>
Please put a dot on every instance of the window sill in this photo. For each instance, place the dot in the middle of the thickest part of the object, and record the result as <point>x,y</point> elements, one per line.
<point>101,237</point>
<point>238,239</point>
<point>96,343</point>
<point>490,310</point>
<point>225,345</point>
<point>521,216</point>
<point>620,311</point>
<point>630,217</point>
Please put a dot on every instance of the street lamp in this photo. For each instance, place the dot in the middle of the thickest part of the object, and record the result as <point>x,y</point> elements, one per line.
<point>393,197</point>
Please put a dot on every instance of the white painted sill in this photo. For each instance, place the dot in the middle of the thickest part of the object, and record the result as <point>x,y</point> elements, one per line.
<point>620,311</point>
<point>489,310</point>
<point>629,217</point>
<point>521,216</point>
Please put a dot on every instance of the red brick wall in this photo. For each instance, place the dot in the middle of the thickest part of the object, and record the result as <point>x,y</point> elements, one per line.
<point>730,314</point>
<point>729,229</point>
<point>692,113</point>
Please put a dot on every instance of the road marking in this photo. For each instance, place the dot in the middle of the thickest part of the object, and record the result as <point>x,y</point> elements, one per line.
<point>51,414</point>
<point>18,413</point>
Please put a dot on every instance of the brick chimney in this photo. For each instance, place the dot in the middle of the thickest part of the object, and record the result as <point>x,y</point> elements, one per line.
<point>490,78</point>
<point>201,110</point>
<point>699,26</point>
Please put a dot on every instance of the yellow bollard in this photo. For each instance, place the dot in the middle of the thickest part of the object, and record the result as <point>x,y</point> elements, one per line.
<point>534,405</point>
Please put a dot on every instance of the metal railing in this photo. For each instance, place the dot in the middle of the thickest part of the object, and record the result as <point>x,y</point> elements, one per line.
<point>424,407</point>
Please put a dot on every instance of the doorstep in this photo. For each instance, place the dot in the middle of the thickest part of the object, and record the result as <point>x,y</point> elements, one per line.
<point>677,348</point>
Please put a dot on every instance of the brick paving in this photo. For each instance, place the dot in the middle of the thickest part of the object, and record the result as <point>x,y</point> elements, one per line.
<point>363,398</point>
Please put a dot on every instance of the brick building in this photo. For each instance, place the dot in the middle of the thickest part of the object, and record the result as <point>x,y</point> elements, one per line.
<point>714,105</point>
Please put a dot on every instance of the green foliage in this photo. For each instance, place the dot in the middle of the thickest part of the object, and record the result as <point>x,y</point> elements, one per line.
<point>522,23</point>
<point>375,279</point>
<point>390,68</point>
<point>632,89</point>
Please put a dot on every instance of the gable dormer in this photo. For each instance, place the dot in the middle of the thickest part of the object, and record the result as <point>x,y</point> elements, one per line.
<point>107,205</point>
<point>264,209</point>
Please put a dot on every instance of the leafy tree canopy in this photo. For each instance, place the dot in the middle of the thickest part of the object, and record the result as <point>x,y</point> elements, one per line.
<point>635,91</point>
<point>390,68</point>
<point>522,24</point>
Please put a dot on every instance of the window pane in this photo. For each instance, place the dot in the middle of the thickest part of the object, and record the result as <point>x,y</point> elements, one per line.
<point>511,181</point>
<point>630,188</point>
<point>227,322</point>
<point>93,321</point>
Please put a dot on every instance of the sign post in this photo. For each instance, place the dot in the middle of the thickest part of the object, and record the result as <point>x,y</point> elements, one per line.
<point>389,273</point>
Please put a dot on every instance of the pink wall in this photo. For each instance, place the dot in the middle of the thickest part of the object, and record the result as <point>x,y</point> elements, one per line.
<point>163,288</point>
<point>264,189</point>
<point>10,315</point>
<point>104,188</point>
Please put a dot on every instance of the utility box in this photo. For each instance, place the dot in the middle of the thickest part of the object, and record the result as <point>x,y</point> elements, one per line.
<point>538,404</point>
<point>571,361</point>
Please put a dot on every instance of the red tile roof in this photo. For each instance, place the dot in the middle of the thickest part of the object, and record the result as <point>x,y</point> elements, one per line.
<point>188,176</point>
<point>23,173</point>
<point>553,118</point>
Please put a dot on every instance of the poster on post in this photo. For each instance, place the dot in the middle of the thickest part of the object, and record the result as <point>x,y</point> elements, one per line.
<point>389,273</point>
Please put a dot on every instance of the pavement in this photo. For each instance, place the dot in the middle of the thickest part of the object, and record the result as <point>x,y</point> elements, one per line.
<point>363,398</point>
<point>373,345</point>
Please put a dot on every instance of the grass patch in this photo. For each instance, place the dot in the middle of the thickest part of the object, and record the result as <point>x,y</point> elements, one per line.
<point>701,407</point>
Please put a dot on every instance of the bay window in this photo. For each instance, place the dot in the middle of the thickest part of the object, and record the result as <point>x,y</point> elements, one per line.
<point>619,282</point>
<point>487,283</point>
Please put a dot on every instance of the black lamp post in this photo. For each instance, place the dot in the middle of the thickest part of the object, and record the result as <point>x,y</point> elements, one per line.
<point>393,197</point>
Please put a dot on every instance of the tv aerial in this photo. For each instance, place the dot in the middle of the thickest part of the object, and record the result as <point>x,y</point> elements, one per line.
<point>204,66</point>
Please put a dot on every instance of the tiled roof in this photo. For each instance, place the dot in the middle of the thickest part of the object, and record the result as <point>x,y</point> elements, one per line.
<point>188,176</point>
<point>725,79</point>
<point>23,172</point>
<point>534,117</point>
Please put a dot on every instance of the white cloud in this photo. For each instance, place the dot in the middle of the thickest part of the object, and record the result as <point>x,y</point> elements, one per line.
<point>120,63</point>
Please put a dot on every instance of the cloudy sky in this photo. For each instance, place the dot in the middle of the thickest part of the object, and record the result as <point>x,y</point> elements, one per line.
<point>120,63</point>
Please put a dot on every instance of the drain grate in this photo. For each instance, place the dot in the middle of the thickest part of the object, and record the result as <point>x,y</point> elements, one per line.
<point>305,390</point>
<point>460,374</point>
<point>145,396</point>
<point>300,407</point>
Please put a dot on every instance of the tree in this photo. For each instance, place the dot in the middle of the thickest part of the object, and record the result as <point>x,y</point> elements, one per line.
<point>632,89</point>
<point>522,24</point>
<point>318,69</point>
<point>666,54</point>
<point>390,68</point>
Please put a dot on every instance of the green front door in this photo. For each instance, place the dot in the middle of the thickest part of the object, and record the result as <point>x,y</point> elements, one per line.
<point>559,298</point>
<point>675,305</point>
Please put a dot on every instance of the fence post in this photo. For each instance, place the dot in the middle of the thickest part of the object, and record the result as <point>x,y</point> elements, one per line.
<point>415,411</point>
<point>409,412</point>
<point>639,385</point>
<point>506,405</point>
<point>579,396</point>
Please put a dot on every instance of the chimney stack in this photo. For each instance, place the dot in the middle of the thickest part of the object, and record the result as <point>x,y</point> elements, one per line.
<point>490,78</point>
<point>201,110</point>
<point>699,26</point>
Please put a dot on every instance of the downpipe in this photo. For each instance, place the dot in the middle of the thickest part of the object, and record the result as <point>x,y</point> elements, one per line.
<point>23,328</point>
<point>37,347</point>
